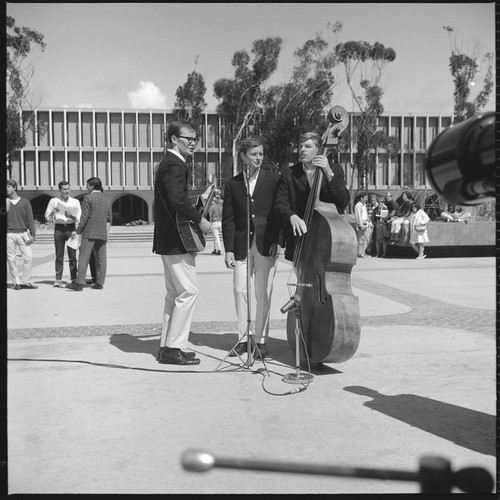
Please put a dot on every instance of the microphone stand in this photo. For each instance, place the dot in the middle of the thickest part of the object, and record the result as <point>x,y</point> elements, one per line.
<point>298,377</point>
<point>251,344</point>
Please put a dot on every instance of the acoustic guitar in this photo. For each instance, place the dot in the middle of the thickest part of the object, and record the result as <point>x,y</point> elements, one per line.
<point>191,235</point>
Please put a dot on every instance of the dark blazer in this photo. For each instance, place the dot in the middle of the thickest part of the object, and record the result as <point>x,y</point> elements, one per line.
<point>293,193</point>
<point>171,197</point>
<point>264,226</point>
<point>96,213</point>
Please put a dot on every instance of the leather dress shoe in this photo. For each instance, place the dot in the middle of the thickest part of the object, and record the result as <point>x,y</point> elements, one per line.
<point>176,357</point>
<point>28,286</point>
<point>187,354</point>
<point>17,287</point>
<point>95,286</point>
<point>76,287</point>
<point>240,349</point>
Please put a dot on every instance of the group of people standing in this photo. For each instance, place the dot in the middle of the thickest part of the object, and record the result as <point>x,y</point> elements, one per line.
<point>382,221</point>
<point>90,220</point>
<point>277,204</point>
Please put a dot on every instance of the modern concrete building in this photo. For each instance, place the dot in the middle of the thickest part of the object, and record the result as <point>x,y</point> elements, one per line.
<point>122,147</point>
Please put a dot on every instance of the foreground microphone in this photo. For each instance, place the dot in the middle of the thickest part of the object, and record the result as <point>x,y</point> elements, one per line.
<point>294,300</point>
<point>460,162</point>
<point>434,474</point>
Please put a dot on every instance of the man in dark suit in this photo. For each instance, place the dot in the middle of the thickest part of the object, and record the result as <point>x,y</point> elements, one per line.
<point>94,225</point>
<point>295,186</point>
<point>260,185</point>
<point>171,201</point>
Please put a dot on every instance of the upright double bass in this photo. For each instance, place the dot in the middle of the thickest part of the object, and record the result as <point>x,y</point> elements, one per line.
<point>325,307</point>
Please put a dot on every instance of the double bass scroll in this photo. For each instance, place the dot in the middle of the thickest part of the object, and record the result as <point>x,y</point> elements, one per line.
<point>327,310</point>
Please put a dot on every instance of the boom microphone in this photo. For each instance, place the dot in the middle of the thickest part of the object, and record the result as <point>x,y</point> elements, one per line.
<point>460,161</point>
<point>294,299</point>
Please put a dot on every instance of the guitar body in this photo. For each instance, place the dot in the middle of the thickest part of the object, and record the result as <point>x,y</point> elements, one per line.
<point>191,234</point>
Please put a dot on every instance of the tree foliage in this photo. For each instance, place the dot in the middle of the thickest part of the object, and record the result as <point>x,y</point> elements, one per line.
<point>190,103</point>
<point>20,41</point>
<point>465,68</point>
<point>241,97</point>
<point>367,62</point>
<point>301,104</point>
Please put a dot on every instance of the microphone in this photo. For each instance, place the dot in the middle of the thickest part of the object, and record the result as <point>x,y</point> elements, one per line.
<point>197,461</point>
<point>294,300</point>
<point>434,474</point>
<point>460,162</point>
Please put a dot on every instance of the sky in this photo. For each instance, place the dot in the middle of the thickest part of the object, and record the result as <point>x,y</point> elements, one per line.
<point>136,55</point>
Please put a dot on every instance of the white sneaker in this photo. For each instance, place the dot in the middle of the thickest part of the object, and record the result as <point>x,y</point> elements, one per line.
<point>57,284</point>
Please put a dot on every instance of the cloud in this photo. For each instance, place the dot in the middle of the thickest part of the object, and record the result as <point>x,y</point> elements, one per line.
<point>148,95</point>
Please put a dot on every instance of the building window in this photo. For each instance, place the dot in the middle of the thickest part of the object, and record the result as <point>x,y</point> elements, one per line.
<point>129,130</point>
<point>115,121</point>
<point>101,131</point>
<point>87,136</point>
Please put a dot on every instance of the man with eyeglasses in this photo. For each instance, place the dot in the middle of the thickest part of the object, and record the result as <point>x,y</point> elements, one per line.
<point>181,283</point>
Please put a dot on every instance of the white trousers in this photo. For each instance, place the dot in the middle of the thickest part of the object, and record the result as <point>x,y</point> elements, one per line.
<point>397,223</point>
<point>216,231</point>
<point>181,283</point>
<point>262,271</point>
<point>15,241</point>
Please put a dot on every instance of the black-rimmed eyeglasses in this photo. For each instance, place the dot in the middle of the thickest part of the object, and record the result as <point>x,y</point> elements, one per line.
<point>191,140</point>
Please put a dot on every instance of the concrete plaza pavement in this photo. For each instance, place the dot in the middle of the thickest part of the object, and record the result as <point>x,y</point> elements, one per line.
<point>91,411</point>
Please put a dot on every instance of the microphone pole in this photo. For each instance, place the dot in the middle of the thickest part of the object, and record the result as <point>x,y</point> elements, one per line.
<point>298,377</point>
<point>249,362</point>
<point>434,474</point>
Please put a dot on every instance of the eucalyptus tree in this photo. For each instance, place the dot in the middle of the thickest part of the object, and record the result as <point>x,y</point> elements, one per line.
<point>465,68</point>
<point>302,103</point>
<point>366,63</point>
<point>190,101</point>
<point>241,97</point>
<point>20,41</point>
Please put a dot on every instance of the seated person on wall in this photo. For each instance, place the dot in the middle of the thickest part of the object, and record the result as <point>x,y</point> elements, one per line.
<point>433,207</point>
<point>392,209</point>
<point>402,221</point>
<point>455,214</point>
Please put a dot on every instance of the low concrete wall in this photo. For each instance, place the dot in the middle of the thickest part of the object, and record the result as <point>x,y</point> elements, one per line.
<point>461,234</point>
<point>451,239</point>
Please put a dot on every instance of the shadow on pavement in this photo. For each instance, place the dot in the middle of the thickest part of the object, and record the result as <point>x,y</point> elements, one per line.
<point>471,429</point>
<point>279,350</point>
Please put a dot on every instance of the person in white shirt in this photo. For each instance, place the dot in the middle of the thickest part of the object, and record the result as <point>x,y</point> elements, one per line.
<point>364,226</point>
<point>65,212</point>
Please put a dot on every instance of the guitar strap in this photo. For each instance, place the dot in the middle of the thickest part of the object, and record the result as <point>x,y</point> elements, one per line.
<point>166,206</point>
